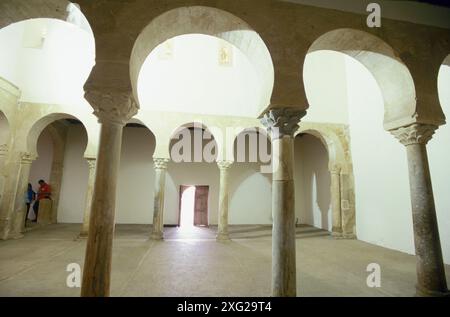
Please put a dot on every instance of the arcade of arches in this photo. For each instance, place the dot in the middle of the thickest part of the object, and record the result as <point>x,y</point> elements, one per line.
<point>269,149</point>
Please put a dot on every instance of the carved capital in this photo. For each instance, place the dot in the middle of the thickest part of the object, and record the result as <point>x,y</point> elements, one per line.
<point>224,165</point>
<point>415,134</point>
<point>117,107</point>
<point>282,121</point>
<point>91,163</point>
<point>26,158</point>
<point>335,169</point>
<point>3,149</point>
<point>160,163</point>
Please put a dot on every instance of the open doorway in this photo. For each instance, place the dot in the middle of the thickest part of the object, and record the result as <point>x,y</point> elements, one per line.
<point>193,206</point>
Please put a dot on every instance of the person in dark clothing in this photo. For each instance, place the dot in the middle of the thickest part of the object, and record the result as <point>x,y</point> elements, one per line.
<point>30,196</point>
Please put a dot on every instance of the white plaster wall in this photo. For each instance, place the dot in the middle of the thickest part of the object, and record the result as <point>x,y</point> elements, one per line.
<point>75,177</point>
<point>184,75</point>
<point>325,87</point>
<point>49,60</point>
<point>134,204</point>
<point>383,209</point>
<point>41,167</point>
<point>250,195</point>
<point>439,157</point>
<point>312,183</point>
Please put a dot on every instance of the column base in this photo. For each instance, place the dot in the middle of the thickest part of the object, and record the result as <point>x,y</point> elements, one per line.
<point>15,236</point>
<point>158,236</point>
<point>223,237</point>
<point>83,235</point>
<point>420,292</point>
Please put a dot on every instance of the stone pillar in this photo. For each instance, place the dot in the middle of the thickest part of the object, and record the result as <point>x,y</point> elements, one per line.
<point>90,189</point>
<point>222,230</point>
<point>281,124</point>
<point>12,206</point>
<point>431,279</point>
<point>113,111</point>
<point>160,166</point>
<point>335,172</point>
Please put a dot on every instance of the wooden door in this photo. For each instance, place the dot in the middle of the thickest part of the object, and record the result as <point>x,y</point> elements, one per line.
<point>201,206</point>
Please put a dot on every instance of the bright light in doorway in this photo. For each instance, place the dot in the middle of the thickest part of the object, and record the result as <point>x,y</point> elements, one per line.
<point>187,209</point>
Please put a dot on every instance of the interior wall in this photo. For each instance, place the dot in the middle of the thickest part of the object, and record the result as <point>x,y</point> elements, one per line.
<point>75,177</point>
<point>134,203</point>
<point>41,167</point>
<point>439,157</point>
<point>325,87</point>
<point>383,208</point>
<point>312,183</point>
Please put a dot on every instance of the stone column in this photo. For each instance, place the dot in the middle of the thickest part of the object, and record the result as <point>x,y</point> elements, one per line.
<point>12,206</point>
<point>281,124</point>
<point>113,111</point>
<point>160,166</point>
<point>90,189</point>
<point>222,230</point>
<point>431,279</point>
<point>335,172</point>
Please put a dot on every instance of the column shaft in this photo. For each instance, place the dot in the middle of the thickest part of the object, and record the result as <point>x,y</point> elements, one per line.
<point>158,203</point>
<point>283,232</point>
<point>336,202</point>
<point>88,205</point>
<point>97,265</point>
<point>222,230</point>
<point>430,267</point>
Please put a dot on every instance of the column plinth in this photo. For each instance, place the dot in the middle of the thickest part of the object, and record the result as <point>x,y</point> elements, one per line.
<point>431,279</point>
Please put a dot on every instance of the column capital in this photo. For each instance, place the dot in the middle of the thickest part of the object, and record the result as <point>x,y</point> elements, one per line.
<point>416,133</point>
<point>335,169</point>
<point>27,157</point>
<point>282,121</point>
<point>224,165</point>
<point>3,149</point>
<point>160,163</point>
<point>109,106</point>
<point>92,161</point>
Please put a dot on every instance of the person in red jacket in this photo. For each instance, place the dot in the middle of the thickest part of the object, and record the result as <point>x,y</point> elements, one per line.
<point>44,192</point>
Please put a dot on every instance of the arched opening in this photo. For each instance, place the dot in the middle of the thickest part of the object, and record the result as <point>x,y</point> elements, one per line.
<point>368,92</point>
<point>312,182</point>
<point>250,177</point>
<point>61,163</point>
<point>136,175</point>
<point>223,68</point>
<point>193,153</point>
<point>439,156</point>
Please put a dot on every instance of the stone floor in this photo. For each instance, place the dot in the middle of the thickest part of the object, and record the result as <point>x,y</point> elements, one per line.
<point>192,263</point>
